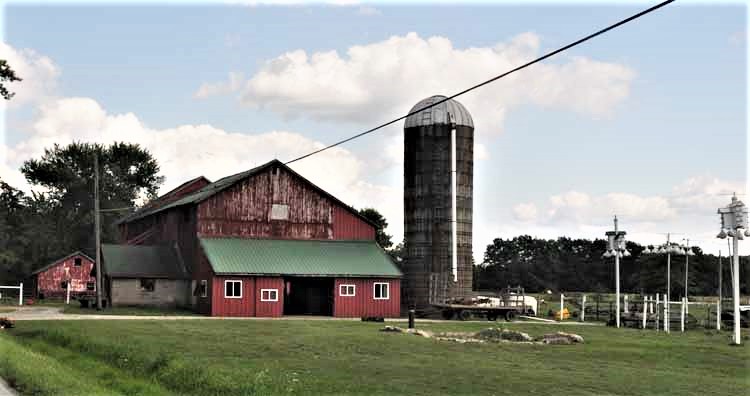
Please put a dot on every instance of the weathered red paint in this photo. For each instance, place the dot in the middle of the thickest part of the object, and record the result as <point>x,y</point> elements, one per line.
<point>363,303</point>
<point>49,281</point>
<point>244,211</point>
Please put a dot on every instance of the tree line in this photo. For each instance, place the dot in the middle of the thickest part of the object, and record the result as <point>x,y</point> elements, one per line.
<point>57,217</point>
<point>570,265</point>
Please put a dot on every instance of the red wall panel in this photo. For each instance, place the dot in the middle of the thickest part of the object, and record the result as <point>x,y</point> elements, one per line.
<point>347,226</point>
<point>363,303</point>
<point>222,306</point>
<point>269,308</point>
<point>48,282</point>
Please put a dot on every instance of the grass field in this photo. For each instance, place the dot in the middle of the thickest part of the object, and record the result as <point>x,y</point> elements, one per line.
<point>131,311</point>
<point>266,357</point>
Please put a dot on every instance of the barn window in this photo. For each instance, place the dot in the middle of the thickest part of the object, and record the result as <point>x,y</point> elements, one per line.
<point>90,286</point>
<point>380,291</point>
<point>346,290</point>
<point>63,285</point>
<point>232,289</point>
<point>77,262</point>
<point>203,288</point>
<point>269,295</point>
<point>147,284</point>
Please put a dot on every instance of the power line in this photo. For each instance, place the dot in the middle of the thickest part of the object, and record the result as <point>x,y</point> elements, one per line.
<point>525,65</point>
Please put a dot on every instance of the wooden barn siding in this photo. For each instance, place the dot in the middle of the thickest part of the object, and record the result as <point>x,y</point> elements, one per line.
<point>363,303</point>
<point>267,308</point>
<point>203,271</point>
<point>249,304</point>
<point>48,282</point>
<point>244,210</point>
<point>347,226</point>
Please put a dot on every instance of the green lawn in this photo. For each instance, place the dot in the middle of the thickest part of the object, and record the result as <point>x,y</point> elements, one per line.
<point>245,357</point>
<point>75,308</point>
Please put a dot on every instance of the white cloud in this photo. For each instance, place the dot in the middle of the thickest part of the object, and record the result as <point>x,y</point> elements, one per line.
<point>368,11</point>
<point>187,151</point>
<point>525,212</point>
<point>380,80</point>
<point>235,82</point>
<point>39,74</point>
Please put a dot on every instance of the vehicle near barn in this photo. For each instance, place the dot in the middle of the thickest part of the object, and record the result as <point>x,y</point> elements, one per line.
<point>508,304</point>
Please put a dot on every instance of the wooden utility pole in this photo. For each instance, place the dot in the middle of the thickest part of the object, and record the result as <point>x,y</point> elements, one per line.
<point>97,232</point>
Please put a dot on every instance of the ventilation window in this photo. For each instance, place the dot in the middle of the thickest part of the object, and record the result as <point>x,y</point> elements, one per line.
<point>90,286</point>
<point>280,212</point>
<point>77,262</point>
<point>269,295</point>
<point>346,290</point>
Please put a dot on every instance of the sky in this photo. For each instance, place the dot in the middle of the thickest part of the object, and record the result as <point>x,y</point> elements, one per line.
<point>647,122</point>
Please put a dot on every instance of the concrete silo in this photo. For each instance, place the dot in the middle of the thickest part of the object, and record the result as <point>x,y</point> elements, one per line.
<point>431,275</point>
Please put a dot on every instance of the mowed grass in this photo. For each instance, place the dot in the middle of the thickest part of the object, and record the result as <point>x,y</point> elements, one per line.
<point>263,357</point>
<point>130,311</point>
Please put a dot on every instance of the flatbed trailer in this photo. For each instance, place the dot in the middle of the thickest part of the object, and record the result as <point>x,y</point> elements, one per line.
<point>465,312</point>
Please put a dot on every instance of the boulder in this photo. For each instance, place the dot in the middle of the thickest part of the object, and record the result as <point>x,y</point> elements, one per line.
<point>495,333</point>
<point>561,338</point>
<point>392,329</point>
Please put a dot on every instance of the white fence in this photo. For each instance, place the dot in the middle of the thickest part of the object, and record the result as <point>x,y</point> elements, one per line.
<point>20,292</point>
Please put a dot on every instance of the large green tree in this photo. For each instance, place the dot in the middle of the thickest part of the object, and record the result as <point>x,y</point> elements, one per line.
<point>127,173</point>
<point>383,239</point>
<point>7,75</point>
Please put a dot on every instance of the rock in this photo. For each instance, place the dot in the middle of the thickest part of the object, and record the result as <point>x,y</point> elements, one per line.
<point>392,329</point>
<point>561,338</point>
<point>421,333</point>
<point>495,333</point>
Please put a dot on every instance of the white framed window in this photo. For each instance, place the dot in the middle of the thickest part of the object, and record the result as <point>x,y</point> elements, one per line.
<point>380,291</point>
<point>203,288</point>
<point>269,294</point>
<point>347,290</point>
<point>232,289</point>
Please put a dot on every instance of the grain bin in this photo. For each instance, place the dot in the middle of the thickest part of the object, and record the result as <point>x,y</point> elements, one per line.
<point>429,268</point>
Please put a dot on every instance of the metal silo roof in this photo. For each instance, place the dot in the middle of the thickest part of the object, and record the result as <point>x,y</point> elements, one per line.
<point>438,114</point>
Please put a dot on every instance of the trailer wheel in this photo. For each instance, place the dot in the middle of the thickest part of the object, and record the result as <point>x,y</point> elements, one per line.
<point>510,315</point>
<point>464,315</point>
<point>447,314</point>
<point>492,316</point>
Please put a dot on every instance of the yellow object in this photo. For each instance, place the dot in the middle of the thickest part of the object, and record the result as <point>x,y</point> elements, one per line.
<point>565,314</point>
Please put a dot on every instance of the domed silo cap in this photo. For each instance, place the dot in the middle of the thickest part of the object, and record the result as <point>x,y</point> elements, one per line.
<point>439,114</point>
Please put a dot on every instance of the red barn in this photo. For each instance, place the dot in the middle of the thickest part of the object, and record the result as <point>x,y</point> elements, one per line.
<point>268,242</point>
<point>52,280</point>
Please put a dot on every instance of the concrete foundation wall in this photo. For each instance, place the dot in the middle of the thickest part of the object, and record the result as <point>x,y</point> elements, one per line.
<point>167,292</point>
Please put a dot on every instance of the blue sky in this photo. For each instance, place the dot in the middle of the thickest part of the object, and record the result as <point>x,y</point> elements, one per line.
<point>662,151</point>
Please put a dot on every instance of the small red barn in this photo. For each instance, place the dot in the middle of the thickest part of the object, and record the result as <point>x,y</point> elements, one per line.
<point>52,280</point>
<point>268,242</point>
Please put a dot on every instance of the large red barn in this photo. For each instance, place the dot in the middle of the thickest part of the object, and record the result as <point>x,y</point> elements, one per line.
<point>268,242</point>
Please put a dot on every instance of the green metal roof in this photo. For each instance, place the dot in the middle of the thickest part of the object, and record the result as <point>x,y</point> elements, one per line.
<point>294,257</point>
<point>140,261</point>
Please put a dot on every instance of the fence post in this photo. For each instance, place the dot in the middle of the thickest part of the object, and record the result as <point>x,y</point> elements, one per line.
<point>20,294</point>
<point>598,297</point>
<point>666,313</point>
<point>683,308</point>
<point>626,303</point>
<point>583,309</point>
<point>718,314</point>
<point>656,321</point>
<point>562,305</point>
<point>645,312</point>
<point>67,293</point>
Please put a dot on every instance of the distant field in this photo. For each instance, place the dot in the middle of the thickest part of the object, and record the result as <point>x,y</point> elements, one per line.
<point>266,357</point>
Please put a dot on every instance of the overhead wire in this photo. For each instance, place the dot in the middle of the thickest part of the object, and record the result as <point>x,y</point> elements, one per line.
<point>493,79</point>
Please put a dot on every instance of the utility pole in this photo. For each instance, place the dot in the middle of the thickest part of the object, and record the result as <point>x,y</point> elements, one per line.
<point>734,219</point>
<point>720,304</point>
<point>97,232</point>
<point>616,247</point>
<point>687,256</point>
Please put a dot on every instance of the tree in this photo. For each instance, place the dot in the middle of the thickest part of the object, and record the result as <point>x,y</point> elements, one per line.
<point>383,239</point>
<point>127,174</point>
<point>7,75</point>
<point>12,233</point>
